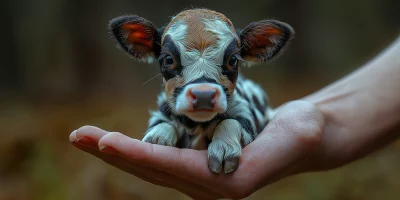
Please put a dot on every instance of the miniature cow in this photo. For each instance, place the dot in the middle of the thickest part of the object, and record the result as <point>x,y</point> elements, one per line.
<point>206,103</point>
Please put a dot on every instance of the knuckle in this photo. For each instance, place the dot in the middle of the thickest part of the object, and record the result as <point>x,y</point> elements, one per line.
<point>114,134</point>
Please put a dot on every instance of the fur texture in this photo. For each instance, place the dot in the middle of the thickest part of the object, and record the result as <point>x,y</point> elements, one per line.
<point>199,53</point>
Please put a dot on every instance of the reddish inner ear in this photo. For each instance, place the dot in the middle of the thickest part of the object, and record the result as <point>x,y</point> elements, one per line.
<point>260,39</point>
<point>138,35</point>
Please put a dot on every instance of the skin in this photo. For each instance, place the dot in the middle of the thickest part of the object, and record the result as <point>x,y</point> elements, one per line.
<point>332,127</point>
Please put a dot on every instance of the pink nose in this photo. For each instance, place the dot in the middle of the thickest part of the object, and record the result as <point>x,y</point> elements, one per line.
<point>203,97</point>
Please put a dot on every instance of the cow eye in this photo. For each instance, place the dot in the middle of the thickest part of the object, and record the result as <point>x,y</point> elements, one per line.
<point>168,61</point>
<point>233,61</point>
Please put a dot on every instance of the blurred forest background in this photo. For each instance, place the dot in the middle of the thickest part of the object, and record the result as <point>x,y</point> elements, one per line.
<point>60,70</point>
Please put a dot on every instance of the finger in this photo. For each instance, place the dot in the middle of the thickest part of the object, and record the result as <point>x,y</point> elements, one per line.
<point>187,164</point>
<point>119,163</point>
<point>150,175</point>
<point>89,135</point>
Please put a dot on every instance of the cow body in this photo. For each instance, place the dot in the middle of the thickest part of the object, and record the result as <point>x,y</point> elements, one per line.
<point>205,103</point>
<point>248,105</point>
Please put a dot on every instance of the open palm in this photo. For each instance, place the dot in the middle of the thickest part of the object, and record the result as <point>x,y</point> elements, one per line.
<point>280,150</point>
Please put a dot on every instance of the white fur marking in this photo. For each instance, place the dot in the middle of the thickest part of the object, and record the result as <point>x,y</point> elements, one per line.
<point>164,134</point>
<point>207,63</point>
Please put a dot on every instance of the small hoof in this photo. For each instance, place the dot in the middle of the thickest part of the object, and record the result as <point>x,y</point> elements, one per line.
<point>231,164</point>
<point>214,164</point>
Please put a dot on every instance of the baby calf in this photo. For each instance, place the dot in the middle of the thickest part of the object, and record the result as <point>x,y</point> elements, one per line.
<point>206,103</point>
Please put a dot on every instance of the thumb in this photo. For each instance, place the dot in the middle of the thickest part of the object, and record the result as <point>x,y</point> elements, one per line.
<point>294,133</point>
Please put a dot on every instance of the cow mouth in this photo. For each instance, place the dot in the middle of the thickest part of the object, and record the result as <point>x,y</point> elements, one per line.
<point>202,110</point>
<point>201,115</point>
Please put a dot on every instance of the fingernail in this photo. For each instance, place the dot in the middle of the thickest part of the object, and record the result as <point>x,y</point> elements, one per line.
<point>86,141</point>
<point>72,137</point>
<point>108,150</point>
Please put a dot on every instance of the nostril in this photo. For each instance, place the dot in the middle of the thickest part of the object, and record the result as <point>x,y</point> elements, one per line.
<point>192,95</point>
<point>213,94</point>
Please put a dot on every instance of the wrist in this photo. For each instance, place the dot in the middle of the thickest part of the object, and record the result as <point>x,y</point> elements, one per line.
<point>361,111</point>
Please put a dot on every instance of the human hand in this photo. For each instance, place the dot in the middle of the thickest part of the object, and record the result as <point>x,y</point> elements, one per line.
<point>283,148</point>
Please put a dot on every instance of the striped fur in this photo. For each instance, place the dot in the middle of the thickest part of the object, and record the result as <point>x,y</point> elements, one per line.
<point>248,105</point>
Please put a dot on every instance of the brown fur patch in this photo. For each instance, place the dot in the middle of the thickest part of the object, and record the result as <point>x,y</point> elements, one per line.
<point>196,37</point>
<point>228,84</point>
<point>170,86</point>
<point>193,17</point>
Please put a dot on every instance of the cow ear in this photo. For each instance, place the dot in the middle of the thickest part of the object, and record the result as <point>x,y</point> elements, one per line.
<point>137,36</point>
<point>263,40</point>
